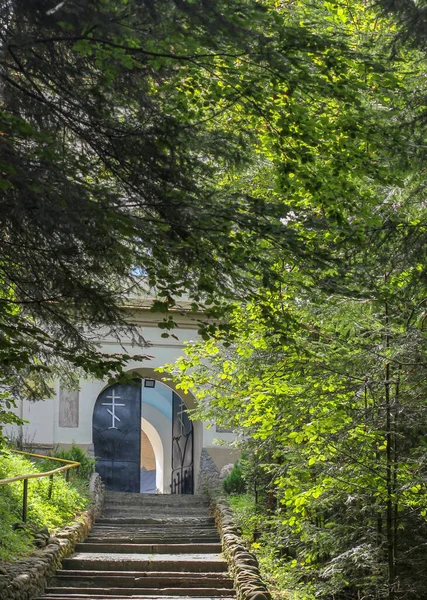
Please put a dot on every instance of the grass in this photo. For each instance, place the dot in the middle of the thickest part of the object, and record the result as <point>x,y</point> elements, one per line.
<point>67,500</point>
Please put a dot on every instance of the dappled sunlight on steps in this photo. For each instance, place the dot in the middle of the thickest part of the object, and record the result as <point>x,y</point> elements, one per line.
<point>146,546</point>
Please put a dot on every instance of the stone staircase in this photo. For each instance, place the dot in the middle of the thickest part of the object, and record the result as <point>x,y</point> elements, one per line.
<point>146,546</point>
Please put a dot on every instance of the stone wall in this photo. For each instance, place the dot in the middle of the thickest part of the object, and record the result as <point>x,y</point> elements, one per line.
<point>96,491</point>
<point>243,564</point>
<point>26,578</point>
<point>209,477</point>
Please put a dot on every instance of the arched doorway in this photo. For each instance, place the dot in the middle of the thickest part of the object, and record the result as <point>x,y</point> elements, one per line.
<point>143,439</point>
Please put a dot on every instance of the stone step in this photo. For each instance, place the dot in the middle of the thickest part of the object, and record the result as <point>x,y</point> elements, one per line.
<point>119,538</point>
<point>199,563</point>
<point>141,505</point>
<point>91,596</point>
<point>131,591</point>
<point>170,502</point>
<point>155,529</point>
<point>147,547</point>
<point>163,506</point>
<point>75,578</point>
<point>157,536</point>
<point>129,497</point>
<point>157,516</point>
<point>126,548</point>
<point>119,573</point>
<point>165,521</point>
<point>113,523</point>
<point>142,511</point>
<point>198,508</point>
<point>156,533</point>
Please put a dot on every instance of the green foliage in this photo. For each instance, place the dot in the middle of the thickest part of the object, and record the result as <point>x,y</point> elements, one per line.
<point>331,390</point>
<point>185,141</point>
<point>67,500</point>
<point>324,371</point>
<point>7,416</point>
<point>279,575</point>
<point>234,482</point>
<point>87,464</point>
<point>255,151</point>
<point>14,543</point>
<point>247,516</point>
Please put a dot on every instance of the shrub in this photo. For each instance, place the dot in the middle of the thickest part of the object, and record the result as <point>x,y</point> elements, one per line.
<point>234,483</point>
<point>67,500</point>
<point>87,464</point>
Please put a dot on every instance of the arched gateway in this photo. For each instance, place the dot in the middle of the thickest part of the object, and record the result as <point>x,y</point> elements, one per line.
<point>143,439</point>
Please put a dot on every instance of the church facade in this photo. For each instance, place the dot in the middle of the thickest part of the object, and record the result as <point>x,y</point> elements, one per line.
<point>139,432</point>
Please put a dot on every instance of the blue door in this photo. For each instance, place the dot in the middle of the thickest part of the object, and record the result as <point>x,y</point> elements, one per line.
<point>117,436</point>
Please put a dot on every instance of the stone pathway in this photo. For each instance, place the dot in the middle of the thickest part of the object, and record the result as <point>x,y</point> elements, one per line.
<point>147,546</point>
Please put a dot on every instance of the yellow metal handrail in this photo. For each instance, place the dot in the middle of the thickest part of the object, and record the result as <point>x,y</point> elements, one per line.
<point>71,464</point>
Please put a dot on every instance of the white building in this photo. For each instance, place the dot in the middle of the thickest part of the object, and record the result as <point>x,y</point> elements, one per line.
<point>139,433</point>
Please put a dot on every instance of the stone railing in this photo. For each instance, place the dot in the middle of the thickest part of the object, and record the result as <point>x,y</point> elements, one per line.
<point>26,578</point>
<point>243,564</point>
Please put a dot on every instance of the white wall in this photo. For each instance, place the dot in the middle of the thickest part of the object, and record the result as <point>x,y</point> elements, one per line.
<point>44,428</point>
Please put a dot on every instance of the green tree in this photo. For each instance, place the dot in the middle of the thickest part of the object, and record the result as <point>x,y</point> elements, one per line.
<point>336,387</point>
<point>184,141</point>
<point>108,171</point>
<point>326,373</point>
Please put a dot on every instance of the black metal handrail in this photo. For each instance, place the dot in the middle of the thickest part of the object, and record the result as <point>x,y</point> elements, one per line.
<point>70,464</point>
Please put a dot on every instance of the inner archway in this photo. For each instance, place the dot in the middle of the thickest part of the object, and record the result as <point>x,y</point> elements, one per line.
<point>148,466</point>
<point>151,437</point>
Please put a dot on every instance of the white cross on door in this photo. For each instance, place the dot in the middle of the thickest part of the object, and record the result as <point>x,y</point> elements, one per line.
<point>112,412</point>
